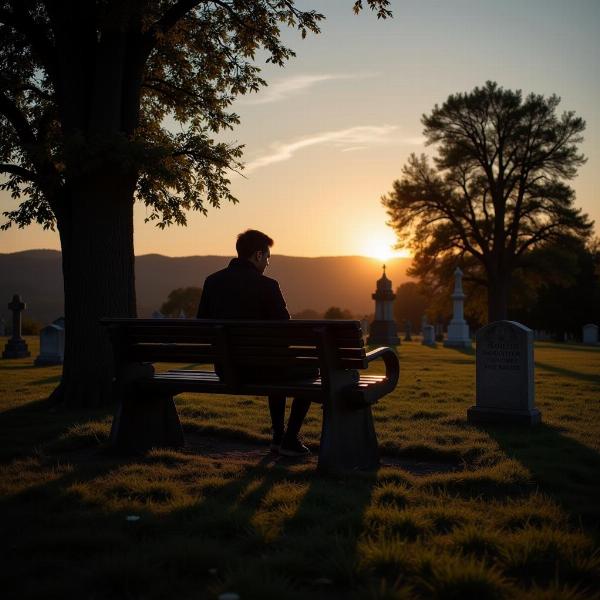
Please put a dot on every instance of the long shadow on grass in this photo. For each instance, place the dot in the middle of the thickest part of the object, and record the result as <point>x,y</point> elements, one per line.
<point>47,380</point>
<point>57,543</point>
<point>11,367</point>
<point>265,524</point>
<point>285,519</point>
<point>465,351</point>
<point>569,373</point>
<point>570,347</point>
<point>35,423</point>
<point>562,467</point>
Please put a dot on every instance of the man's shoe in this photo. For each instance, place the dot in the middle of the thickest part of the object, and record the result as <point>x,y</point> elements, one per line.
<point>276,441</point>
<point>293,448</point>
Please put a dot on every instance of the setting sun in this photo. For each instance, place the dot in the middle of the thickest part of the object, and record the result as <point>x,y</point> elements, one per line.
<point>382,247</point>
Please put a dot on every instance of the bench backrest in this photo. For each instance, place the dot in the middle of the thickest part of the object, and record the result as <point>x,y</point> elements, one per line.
<point>245,344</point>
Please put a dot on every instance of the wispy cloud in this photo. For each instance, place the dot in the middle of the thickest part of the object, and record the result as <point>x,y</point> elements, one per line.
<point>351,139</point>
<point>284,88</point>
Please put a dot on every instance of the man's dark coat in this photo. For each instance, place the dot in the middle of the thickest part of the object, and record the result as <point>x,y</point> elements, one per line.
<point>241,292</point>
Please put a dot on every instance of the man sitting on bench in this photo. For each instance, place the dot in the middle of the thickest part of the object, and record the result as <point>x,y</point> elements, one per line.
<point>241,291</point>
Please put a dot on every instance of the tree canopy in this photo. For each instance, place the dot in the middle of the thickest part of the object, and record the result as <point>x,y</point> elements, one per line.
<point>335,312</point>
<point>105,102</point>
<point>495,192</point>
<point>157,62</point>
<point>566,292</point>
<point>184,300</point>
<point>410,305</point>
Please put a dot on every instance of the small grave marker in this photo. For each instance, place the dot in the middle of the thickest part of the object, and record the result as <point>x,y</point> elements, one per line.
<point>52,344</point>
<point>590,334</point>
<point>428,335</point>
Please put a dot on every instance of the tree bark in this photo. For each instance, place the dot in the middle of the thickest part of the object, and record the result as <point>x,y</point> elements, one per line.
<point>96,232</point>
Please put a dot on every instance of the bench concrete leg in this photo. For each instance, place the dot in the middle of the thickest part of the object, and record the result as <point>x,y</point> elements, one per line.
<point>145,420</point>
<point>348,439</point>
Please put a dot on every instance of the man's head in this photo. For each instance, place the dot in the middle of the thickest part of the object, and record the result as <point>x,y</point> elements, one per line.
<point>254,246</point>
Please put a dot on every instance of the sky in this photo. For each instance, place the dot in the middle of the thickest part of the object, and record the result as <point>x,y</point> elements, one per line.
<point>329,135</point>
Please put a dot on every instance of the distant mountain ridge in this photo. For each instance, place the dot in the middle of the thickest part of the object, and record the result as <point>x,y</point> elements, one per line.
<point>317,283</point>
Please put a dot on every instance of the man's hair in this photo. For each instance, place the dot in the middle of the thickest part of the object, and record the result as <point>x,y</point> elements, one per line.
<point>252,241</point>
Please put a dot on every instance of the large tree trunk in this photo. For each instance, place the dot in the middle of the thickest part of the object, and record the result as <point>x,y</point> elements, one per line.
<point>96,232</point>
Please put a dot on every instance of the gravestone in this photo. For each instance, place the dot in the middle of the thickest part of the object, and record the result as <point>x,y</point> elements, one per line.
<point>16,347</point>
<point>504,367</point>
<point>428,335</point>
<point>408,328</point>
<point>52,344</point>
<point>590,334</point>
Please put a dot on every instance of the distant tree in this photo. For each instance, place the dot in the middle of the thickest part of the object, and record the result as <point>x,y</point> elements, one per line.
<point>335,312</point>
<point>86,89</point>
<point>566,294</point>
<point>496,191</point>
<point>182,299</point>
<point>410,304</point>
<point>307,313</point>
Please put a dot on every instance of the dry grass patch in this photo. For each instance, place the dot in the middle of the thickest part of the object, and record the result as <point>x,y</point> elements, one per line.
<point>459,512</point>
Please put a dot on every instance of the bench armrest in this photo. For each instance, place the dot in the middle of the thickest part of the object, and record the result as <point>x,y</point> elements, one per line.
<point>392,366</point>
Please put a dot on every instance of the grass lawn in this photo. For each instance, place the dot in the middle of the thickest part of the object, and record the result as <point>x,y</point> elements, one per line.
<point>456,511</point>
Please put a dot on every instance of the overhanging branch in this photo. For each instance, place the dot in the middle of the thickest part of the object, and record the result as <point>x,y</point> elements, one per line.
<point>17,119</point>
<point>17,170</point>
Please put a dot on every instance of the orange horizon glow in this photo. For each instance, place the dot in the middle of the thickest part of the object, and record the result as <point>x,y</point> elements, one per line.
<point>381,246</point>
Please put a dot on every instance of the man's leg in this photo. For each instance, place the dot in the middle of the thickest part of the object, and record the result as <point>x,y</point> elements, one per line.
<point>277,410</point>
<point>291,445</point>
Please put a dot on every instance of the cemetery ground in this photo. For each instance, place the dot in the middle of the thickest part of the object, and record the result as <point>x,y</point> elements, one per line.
<point>455,511</point>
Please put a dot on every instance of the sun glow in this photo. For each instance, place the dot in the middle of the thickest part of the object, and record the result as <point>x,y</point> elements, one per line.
<point>382,248</point>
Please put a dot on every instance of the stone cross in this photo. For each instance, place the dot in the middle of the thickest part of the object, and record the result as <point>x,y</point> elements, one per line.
<point>16,306</point>
<point>16,347</point>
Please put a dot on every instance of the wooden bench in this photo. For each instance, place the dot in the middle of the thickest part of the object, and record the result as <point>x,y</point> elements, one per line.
<point>147,417</point>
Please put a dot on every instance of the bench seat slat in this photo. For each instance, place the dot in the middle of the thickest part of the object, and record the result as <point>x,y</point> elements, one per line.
<point>181,381</point>
<point>211,375</point>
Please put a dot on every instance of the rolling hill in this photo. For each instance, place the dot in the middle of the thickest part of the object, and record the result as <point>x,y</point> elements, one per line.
<point>317,283</point>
